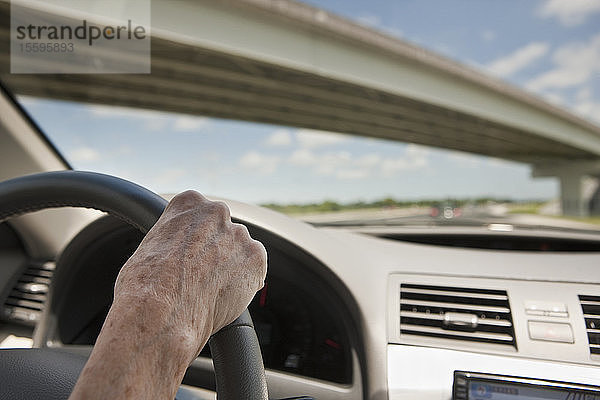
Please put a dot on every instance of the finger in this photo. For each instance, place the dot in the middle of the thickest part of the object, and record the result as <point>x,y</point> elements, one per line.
<point>185,201</point>
<point>240,233</point>
<point>220,210</point>
<point>257,261</point>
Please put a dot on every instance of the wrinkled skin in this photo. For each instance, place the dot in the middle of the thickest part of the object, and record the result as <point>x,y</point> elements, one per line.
<point>194,273</point>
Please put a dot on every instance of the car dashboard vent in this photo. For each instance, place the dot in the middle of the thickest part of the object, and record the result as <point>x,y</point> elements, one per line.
<point>27,299</point>
<point>590,305</point>
<point>477,315</point>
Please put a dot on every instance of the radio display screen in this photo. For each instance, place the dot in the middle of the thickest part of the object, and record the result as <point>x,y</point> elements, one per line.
<point>477,386</point>
<point>502,391</point>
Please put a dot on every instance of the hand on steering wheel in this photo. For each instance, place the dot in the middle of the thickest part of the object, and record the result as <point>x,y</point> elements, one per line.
<point>194,272</point>
<point>161,300</point>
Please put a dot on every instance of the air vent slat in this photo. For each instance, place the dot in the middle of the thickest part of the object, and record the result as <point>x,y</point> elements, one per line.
<point>590,302</point>
<point>34,272</point>
<point>590,305</point>
<point>34,305</point>
<point>408,291</point>
<point>469,300</point>
<point>455,306</point>
<point>591,309</point>
<point>35,279</point>
<point>591,322</point>
<point>21,314</point>
<point>471,314</point>
<point>32,287</point>
<point>454,289</point>
<point>440,317</point>
<point>17,294</point>
<point>409,323</point>
<point>583,298</point>
<point>594,338</point>
<point>27,299</point>
<point>462,335</point>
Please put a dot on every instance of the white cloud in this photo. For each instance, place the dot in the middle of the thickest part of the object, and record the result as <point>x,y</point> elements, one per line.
<point>368,160</point>
<point>352,174</point>
<point>333,163</point>
<point>586,105</point>
<point>309,138</point>
<point>589,109</point>
<point>488,35</point>
<point>468,160</point>
<point>209,157</point>
<point>374,22</point>
<point>168,176</point>
<point>415,157</point>
<point>370,20</point>
<point>575,64</point>
<point>345,165</point>
<point>340,164</point>
<point>519,59</point>
<point>554,98</point>
<point>500,162</point>
<point>187,123</point>
<point>151,120</point>
<point>584,94</point>
<point>417,150</point>
<point>124,150</point>
<point>262,163</point>
<point>279,138</point>
<point>84,154</point>
<point>464,159</point>
<point>569,12</point>
<point>103,111</point>
<point>303,157</point>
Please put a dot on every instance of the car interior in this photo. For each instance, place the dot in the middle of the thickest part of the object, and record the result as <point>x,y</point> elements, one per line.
<point>348,311</point>
<point>343,314</point>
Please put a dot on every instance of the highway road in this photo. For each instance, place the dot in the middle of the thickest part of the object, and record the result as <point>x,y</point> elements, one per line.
<point>497,215</point>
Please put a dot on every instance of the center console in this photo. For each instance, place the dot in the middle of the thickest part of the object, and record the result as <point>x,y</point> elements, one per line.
<point>469,338</point>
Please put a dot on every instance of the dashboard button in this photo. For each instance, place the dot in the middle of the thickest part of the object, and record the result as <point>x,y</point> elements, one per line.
<point>550,332</point>
<point>547,306</point>
<point>535,312</point>
<point>558,314</point>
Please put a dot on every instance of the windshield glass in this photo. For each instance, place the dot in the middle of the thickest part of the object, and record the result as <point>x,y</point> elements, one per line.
<point>544,48</point>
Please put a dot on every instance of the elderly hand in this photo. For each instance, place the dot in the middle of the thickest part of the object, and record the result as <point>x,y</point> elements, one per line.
<point>196,266</point>
<point>194,272</point>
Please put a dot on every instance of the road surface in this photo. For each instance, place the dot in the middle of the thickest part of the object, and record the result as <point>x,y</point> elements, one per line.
<point>420,216</point>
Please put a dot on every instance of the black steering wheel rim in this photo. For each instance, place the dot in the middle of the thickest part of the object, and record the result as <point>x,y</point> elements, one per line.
<point>237,360</point>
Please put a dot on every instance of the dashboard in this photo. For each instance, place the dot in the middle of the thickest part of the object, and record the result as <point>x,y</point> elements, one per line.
<point>297,334</point>
<point>303,326</point>
<point>353,315</point>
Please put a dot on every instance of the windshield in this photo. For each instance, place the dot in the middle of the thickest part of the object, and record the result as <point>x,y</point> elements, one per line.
<point>354,175</point>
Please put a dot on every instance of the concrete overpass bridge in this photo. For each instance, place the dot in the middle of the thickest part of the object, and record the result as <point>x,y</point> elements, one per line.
<point>286,63</point>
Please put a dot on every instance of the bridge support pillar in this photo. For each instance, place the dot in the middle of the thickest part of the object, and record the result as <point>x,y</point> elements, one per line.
<point>572,195</point>
<point>576,198</point>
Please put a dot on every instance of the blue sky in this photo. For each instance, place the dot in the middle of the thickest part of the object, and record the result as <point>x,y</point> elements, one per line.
<point>549,47</point>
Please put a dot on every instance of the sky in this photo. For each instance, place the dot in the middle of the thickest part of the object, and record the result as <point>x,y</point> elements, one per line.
<point>550,48</point>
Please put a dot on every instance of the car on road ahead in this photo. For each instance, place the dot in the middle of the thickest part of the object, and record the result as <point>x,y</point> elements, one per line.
<point>445,211</point>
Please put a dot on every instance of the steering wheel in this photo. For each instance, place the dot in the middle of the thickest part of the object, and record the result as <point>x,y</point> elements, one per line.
<point>48,373</point>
